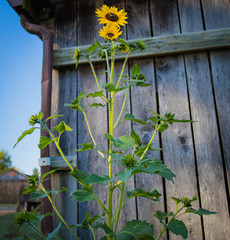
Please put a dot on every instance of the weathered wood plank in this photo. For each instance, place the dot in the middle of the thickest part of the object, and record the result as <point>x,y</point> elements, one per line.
<point>156,46</point>
<point>90,161</point>
<point>173,97</point>
<point>63,91</point>
<point>217,15</point>
<point>143,99</point>
<point>207,144</point>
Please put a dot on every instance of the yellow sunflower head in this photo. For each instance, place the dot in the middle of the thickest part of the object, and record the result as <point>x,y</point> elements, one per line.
<point>111,15</point>
<point>110,32</point>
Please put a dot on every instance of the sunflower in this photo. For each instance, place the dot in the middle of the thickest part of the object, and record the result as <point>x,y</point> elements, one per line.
<point>111,15</point>
<point>110,32</point>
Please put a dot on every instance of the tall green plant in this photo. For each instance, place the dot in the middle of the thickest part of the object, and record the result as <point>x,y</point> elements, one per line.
<point>126,150</point>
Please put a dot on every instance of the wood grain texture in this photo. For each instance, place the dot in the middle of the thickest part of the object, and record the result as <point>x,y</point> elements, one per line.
<point>143,99</point>
<point>216,14</point>
<point>90,161</point>
<point>156,46</point>
<point>64,86</point>
<point>173,97</point>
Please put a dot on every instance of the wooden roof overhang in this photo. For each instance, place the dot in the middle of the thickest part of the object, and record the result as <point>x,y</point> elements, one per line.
<point>36,10</point>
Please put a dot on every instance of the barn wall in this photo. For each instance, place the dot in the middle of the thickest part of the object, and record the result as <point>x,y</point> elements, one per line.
<point>10,190</point>
<point>193,86</point>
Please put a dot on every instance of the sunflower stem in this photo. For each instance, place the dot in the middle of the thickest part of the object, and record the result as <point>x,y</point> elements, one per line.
<point>123,68</point>
<point>111,131</point>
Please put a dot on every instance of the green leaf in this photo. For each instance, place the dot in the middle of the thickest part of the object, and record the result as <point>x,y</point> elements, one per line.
<point>92,179</point>
<point>55,234</point>
<point>39,194</point>
<point>135,69</point>
<point>81,176</point>
<point>96,105</point>
<point>162,215</point>
<point>158,115</point>
<point>48,173</point>
<point>29,189</point>
<point>124,142</point>
<point>110,137</point>
<point>120,89</point>
<point>62,127</point>
<point>177,120</point>
<point>140,150</point>
<point>144,84</point>
<point>155,119</point>
<point>155,167</point>
<point>135,137</point>
<point>63,189</point>
<point>152,195</point>
<point>29,131</point>
<point>97,43</point>
<point>44,142</point>
<point>86,146</point>
<point>95,94</point>
<point>177,227</point>
<point>163,127</point>
<point>125,175</point>
<point>92,48</point>
<point>54,116</point>
<point>135,229</point>
<point>105,227</point>
<point>82,195</point>
<point>130,117</point>
<point>40,115</point>
<point>115,156</point>
<point>200,211</point>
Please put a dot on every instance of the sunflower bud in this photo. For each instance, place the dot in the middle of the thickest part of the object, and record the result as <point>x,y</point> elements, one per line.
<point>128,161</point>
<point>140,76</point>
<point>33,119</point>
<point>123,46</point>
<point>77,54</point>
<point>101,53</point>
<point>140,45</point>
<point>109,87</point>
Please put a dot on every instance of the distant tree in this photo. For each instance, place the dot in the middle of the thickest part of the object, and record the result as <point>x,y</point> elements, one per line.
<point>5,161</point>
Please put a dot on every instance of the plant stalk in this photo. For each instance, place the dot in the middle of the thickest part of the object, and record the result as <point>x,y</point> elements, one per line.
<point>146,149</point>
<point>37,230</point>
<point>120,206</point>
<point>91,135</point>
<point>59,215</point>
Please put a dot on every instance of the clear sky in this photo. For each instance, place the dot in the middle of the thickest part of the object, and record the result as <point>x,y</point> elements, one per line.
<point>20,88</point>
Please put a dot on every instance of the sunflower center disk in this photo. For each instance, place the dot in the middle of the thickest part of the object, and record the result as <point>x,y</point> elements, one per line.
<point>111,17</point>
<point>110,35</point>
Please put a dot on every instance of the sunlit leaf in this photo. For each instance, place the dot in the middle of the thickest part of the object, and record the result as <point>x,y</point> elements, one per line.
<point>44,142</point>
<point>29,131</point>
<point>62,127</point>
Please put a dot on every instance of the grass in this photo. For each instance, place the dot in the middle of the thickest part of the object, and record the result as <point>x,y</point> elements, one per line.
<point>8,231</point>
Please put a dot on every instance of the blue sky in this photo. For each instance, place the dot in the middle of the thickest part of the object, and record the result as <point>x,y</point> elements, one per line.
<point>20,88</point>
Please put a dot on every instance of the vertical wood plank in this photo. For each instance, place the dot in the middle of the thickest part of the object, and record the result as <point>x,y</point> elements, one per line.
<point>173,97</point>
<point>90,161</point>
<point>217,15</point>
<point>64,91</point>
<point>143,99</point>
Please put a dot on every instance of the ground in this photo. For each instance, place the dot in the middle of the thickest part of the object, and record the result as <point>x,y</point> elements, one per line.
<point>7,231</point>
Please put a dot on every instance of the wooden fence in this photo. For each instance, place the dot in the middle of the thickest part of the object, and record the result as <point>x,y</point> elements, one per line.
<point>192,82</point>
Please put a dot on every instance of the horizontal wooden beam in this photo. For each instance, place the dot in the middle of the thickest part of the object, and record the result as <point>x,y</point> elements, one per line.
<point>58,162</point>
<point>156,46</point>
